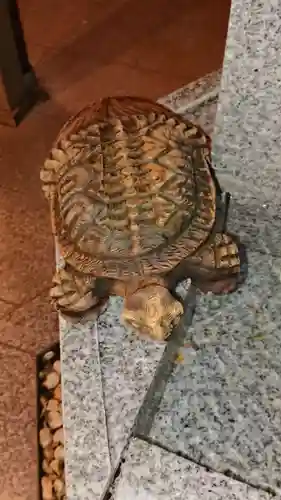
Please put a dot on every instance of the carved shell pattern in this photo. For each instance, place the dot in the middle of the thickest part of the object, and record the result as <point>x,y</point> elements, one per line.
<point>130,188</point>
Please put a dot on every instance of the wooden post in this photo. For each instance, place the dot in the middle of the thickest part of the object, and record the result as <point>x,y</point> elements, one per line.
<point>19,90</point>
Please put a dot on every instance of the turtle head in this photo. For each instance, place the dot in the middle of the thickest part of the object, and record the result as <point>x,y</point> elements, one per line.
<point>152,311</point>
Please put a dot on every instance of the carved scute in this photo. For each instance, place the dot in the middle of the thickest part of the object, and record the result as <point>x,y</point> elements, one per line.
<point>131,190</point>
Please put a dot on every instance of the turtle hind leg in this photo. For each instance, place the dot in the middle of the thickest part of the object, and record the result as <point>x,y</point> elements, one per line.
<point>73,295</point>
<point>221,266</point>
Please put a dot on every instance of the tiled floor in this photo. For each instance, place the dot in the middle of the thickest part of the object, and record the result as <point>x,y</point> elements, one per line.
<point>149,472</point>
<point>81,51</point>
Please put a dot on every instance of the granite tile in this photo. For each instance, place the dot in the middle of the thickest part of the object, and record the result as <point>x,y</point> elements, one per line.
<point>222,405</point>
<point>151,473</point>
<point>255,304</point>
<point>248,124</point>
<point>88,464</point>
<point>204,112</point>
<point>188,96</point>
<point>254,218</point>
<point>106,371</point>
<point>197,101</point>
<point>31,327</point>
<point>237,187</point>
<point>18,464</point>
<point>258,224</point>
<point>259,228</point>
<point>26,247</point>
<point>127,366</point>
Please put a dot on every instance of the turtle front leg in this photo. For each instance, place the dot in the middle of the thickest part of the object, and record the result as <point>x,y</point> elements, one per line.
<point>217,266</point>
<point>152,311</point>
<point>73,295</point>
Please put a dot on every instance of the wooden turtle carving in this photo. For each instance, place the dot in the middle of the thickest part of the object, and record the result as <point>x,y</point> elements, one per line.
<point>136,208</point>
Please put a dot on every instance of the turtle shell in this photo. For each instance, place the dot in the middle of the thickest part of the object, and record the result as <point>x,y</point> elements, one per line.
<point>130,188</point>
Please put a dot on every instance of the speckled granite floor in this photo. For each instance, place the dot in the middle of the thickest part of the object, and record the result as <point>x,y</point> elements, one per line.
<point>151,473</point>
<point>219,407</point>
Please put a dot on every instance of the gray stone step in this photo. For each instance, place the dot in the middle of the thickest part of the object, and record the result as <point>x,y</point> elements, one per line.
<point>222,404</point>
<point>106,373</point>
<point>151,473</point>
